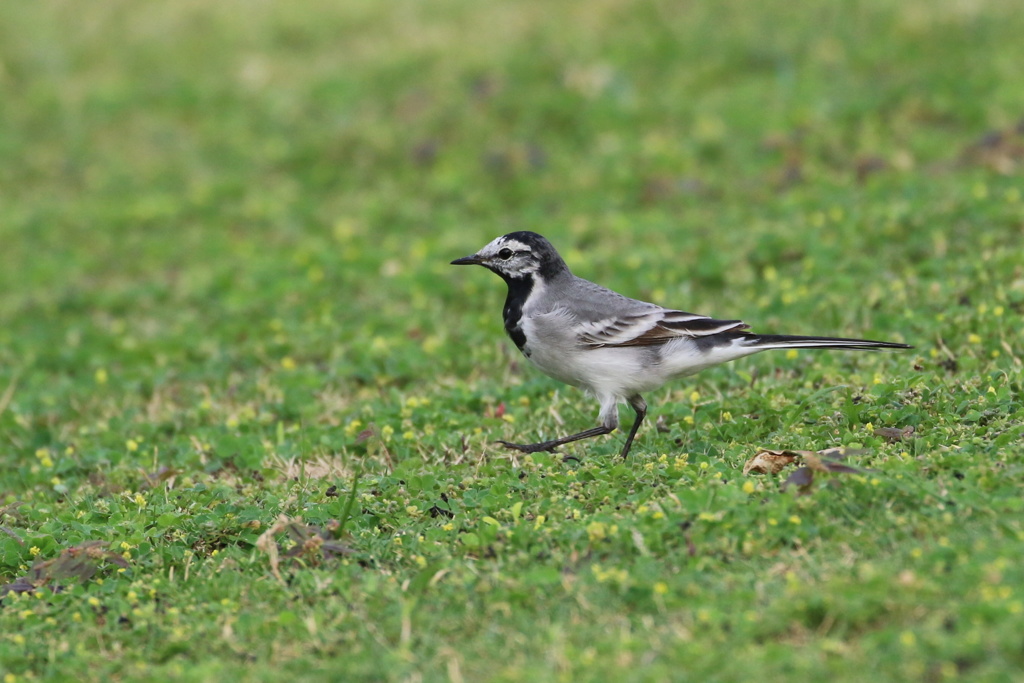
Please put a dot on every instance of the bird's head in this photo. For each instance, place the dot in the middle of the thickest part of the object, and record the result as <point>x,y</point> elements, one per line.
<point>517,256</point>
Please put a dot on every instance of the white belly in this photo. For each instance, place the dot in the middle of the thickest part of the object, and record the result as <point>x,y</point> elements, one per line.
<point>619,372</point>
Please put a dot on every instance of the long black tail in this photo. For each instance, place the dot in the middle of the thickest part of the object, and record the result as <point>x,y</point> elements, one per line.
<point>785,341</point>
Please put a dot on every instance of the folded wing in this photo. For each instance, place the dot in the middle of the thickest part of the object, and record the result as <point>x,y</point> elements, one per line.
<point>652,328</point>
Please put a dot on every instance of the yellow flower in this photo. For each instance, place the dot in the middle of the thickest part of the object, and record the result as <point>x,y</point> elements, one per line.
<point>620,576</point>
<point>288,363</point>
<point>43,455</point>
<point>597,531</point>
<point>660,588</point>
<point>748,487</point>
<point>352,427</point>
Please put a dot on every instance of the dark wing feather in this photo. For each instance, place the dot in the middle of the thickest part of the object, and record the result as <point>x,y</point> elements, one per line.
<point>654,327</point>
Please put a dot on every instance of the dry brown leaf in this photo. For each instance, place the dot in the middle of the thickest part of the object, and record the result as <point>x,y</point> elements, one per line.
<point>772,462</point>
<point>892,434</point>
<point>813,462</point>
<point>268,544</point>
<point>802,478</point>
<point>164,475</point>
<point>22,585</point>
<point>307,541</point>
<point>827,461</point>
<point>80,562</point>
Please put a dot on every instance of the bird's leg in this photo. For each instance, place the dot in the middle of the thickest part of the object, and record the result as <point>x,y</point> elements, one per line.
<point>609,423</point>
<point>638,404</point>
<point>555,443</point>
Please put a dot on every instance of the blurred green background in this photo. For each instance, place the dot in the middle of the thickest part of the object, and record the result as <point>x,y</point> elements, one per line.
<point>224,237</point>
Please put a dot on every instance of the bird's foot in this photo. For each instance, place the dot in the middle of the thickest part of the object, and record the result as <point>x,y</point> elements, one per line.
<point>548,446</point>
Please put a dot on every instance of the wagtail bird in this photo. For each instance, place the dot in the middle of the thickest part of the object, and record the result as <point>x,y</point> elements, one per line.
<point>611,346</point>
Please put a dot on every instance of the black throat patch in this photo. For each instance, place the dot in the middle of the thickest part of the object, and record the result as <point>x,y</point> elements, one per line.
<point>518,290</point>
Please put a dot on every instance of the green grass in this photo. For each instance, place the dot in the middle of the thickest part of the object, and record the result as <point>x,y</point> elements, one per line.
<point>224,297</point>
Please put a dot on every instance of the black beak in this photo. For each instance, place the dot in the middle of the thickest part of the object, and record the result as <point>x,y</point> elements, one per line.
<point>473,260</point>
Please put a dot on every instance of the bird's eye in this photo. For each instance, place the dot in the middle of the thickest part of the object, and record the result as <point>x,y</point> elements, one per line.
<point>505,254</point>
